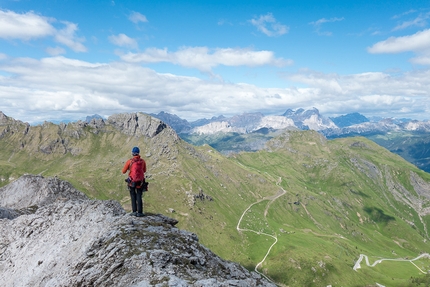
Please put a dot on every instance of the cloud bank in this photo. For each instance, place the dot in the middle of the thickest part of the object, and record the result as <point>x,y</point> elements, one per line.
<point>65,87</point>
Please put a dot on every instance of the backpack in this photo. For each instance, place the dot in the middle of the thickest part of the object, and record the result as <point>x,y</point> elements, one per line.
<point>136,170</point>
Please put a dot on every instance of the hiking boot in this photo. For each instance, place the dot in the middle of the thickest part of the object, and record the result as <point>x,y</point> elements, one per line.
<point>140,214</point>
<point>133,213</point>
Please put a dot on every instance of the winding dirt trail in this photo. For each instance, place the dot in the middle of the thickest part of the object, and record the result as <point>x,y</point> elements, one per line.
<point>271,200</point>
<point>362,256</point>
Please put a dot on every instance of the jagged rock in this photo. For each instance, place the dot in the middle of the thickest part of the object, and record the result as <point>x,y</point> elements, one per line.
<point>137,124</point>
<point>97,125</point>
<point>4,119</point>
<point>34,190</point>
<point>69,240</point>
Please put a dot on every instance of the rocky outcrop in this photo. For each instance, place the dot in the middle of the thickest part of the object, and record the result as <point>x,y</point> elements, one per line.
<point>137,124</point>
<point>9,125</point>
<point>52,235</point>
<point>30,190</point>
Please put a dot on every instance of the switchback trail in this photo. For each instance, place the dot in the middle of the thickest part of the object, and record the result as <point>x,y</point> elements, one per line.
<point>362,256</point>
<point>272,199</point>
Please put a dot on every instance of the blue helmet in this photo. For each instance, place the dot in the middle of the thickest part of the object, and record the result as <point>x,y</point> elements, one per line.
<point>135,150</point>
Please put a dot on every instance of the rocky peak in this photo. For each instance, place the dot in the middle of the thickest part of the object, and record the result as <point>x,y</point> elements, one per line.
<point>205,121</point>
<point>178,124</point>
<point>12,126</point>
<point>349,120</point>
<point>137,124</point>
<point>65,239</point>
<point>93,117</point>
<point>301,114</point>
<point>3,118</point>
<point>247,121</point>
<point>309,119</point>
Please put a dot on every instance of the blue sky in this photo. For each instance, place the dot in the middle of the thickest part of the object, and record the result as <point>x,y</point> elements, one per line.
<point>65,59</point>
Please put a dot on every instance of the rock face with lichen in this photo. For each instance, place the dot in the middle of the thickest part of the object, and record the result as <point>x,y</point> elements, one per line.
<point>53,235</point>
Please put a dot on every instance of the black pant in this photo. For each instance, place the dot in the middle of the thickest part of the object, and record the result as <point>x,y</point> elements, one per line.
<point>136,199</point>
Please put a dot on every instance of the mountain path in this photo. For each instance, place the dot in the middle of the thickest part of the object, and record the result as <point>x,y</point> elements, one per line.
<point>272,199</point>
<point>362,256</point>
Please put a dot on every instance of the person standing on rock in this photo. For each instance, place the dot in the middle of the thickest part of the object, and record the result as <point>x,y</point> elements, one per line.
<point>136,181</point>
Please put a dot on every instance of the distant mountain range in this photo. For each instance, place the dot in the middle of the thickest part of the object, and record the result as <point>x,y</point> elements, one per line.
<point>250,131</point>
<point>345,125</point>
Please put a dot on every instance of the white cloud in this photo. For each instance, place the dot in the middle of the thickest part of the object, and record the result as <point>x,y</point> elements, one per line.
<point>123,40</point>
<point>420,21</point>
<point>418,43</point>
<point>68,38</point>
<point>61,88</point>
<point>136,17</point>
<point>24,26</point>
<point>29,26</point>
<point>204,59</point>
<point>318,25</point>
<point>268,25</point>
<point>369,93</point>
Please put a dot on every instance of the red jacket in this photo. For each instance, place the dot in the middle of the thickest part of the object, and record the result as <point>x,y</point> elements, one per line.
<point>128,162</point>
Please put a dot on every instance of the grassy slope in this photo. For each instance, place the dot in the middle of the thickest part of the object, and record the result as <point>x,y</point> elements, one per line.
<point>343,205</point>
<point>412,146</point>
<point>345,209</point>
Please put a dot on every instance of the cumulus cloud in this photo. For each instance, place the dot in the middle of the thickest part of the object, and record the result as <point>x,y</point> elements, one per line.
<point>136,17</point>
<point>418,43</point>
<point>318,25</point>
<point>204,59</point>
<point>29,26</point>
<point>123,40</point>
<point>61,88</point>
<point>268,25</point>
<point>24,26</point>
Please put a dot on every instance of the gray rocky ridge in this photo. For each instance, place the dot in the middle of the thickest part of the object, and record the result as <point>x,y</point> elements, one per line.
<point>53,235</point>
